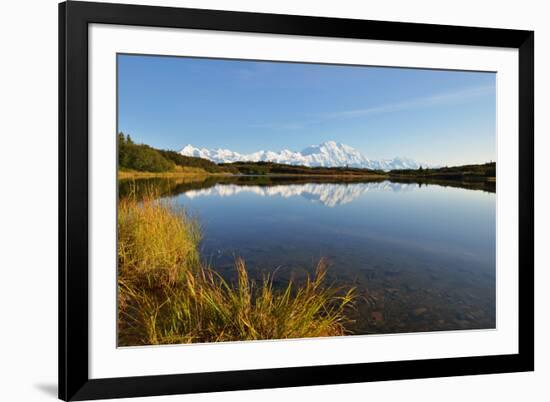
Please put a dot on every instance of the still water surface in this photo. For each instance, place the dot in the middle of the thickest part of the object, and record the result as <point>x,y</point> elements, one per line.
<point>422,256</point>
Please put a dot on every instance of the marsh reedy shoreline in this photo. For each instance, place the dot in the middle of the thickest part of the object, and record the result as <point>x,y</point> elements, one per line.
<point>126,174</point>
<point>167,295</point>
<point>468,176</point>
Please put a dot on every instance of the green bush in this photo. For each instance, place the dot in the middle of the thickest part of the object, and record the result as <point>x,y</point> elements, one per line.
<point>140,157</point>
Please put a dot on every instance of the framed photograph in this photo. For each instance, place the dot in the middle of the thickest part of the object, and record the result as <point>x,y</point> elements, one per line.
<point>257,200</point>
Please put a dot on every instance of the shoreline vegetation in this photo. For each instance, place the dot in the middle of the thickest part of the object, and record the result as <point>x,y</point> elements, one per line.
<point>132,174</point>
<point>137,161</point>
<point>167,295</point>
<point>124,174</point>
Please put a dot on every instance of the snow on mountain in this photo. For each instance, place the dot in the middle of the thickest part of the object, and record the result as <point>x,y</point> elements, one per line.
<point>327,154</point>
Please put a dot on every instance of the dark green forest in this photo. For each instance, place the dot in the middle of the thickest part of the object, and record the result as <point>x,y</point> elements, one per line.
<point>464,172</point>
<point>271,168</point>
<point>144,158</point>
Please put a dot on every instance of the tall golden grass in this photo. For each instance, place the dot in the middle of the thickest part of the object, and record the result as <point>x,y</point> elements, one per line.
<point>168,296</point>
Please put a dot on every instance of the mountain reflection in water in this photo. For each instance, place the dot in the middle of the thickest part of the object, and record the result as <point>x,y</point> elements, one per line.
<point>328,194</point>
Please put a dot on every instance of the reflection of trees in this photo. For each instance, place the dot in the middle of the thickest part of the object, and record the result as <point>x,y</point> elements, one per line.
<point>327,191</point>
<point>483,185</point>
<point>174,186</point>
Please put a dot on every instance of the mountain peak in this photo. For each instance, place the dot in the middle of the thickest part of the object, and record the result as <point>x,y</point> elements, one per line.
<point>331,144</point>
<point>327,154</point>
<point>188,148</point>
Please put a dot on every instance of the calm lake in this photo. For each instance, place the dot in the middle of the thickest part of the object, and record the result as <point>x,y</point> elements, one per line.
<point>421,256</point>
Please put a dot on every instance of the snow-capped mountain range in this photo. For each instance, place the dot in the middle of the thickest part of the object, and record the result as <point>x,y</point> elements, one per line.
<point>327,154</point>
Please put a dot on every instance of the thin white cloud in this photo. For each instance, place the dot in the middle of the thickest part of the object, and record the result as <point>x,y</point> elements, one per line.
<point>448,98</point>
<point>434,100</point>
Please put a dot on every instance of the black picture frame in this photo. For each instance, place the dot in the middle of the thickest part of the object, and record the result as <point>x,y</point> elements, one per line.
<point>74,18</point>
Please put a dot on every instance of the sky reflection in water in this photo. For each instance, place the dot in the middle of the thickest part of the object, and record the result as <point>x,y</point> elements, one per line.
<point>421,256</point>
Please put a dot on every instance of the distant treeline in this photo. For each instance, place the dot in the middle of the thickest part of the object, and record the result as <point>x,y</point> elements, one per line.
<point>270,168</point>
<point>143,158</point>
<point>466,172</point>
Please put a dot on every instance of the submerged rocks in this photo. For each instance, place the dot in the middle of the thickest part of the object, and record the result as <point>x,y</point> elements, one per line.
<point>377,316</point>
<point>420,311</point>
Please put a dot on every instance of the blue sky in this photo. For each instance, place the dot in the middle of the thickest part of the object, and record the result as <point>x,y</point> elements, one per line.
<point>438,117</point>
